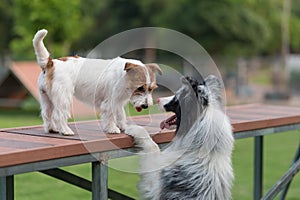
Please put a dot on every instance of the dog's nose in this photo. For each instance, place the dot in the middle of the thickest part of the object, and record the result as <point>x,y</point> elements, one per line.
<point>144,106</point>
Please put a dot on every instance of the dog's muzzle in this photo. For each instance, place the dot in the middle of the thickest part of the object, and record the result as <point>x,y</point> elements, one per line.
<point>144,106</point>
<point>163,101</point>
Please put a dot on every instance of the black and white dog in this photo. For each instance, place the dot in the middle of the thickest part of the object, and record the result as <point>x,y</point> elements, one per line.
<point>197,164</point>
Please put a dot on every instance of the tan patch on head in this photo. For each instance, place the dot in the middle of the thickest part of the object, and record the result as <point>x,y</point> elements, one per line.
<point>137,80</point>
<point>49,70</point>
<point>136,76</point>
<point>153,68</point>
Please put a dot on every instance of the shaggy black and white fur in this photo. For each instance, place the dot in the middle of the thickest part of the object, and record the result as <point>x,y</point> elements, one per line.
<point>197,164</point>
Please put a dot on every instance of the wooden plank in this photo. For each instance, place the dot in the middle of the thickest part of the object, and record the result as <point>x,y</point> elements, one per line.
<point>10,143</point>
<point>4,150</point>
<point>263,109</point>
<point>266,113</point>
<point>61,151</point>
<point>28,138</point>
<point>80,134</point>
<point>117,141</point>
<point>40,154</point>
<point>38,146</point>
<point>266,123</point>
<point>83,131</point>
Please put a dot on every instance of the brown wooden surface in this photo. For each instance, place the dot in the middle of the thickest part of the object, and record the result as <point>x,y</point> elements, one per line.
<point>32,144</point>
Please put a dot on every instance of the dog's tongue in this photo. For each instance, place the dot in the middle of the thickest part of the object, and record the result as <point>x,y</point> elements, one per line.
<point>168,122</point>
<point>139,109</point>
<point>163,124</point>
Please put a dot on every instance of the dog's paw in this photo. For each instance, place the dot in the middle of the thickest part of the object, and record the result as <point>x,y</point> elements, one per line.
<point>112,130</point>
<point>67,132</point>
<point>122,126</point>
<point>53,131</point>
<point>136,131</point>
<point>142,138</point>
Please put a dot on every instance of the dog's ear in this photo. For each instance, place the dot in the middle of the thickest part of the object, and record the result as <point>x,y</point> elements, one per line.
<point>154,67</point>
<point>184,80</point>
<point>216,87</point>
<point>214,83</point>
<point>190,81</point>
<point>129,66</point>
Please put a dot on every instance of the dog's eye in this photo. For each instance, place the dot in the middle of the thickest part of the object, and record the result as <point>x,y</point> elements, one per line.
<point>200,88</point>
<point>141,89</point>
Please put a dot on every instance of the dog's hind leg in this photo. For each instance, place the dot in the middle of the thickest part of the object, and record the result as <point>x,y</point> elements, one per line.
<point>61,110</point>
<point>46,112</point>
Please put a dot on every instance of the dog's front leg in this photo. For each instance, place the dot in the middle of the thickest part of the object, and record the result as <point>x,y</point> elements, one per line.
<point>121,118</point>
<point>150,167</point>
<point>108,118</point>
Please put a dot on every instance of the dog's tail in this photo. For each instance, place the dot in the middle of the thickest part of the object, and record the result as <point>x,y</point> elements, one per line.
<point>40,50</point>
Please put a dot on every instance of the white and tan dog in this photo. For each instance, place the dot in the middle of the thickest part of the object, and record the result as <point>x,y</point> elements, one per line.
<point>105,84</point>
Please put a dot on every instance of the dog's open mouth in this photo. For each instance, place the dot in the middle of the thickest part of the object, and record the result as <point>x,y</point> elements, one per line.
<point>139,109</point>
<point>169,123</point>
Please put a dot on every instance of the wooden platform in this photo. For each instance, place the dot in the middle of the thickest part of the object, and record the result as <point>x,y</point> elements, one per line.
<point>32,144</point>
<point>30,149</point>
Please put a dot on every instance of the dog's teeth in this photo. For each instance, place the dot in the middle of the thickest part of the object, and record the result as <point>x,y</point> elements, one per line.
<point>162,124</point>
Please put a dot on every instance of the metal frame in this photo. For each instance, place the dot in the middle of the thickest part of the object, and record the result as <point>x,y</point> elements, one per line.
<point>7,188</point>
<point>258,166</point>
<point>98,185</point>
<point>286,188</point>
<point>283,181</point>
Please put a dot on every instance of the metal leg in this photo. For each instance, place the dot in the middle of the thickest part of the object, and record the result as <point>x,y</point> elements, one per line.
<point>81,182</point>
<point>258,167</point>
<point>286,188</point>
<point>99,180</point>
<point>286,178</point>
<point>7,188</point>
<point>69,178</point>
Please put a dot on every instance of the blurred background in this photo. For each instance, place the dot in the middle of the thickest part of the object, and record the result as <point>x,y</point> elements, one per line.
<point>254,43</point>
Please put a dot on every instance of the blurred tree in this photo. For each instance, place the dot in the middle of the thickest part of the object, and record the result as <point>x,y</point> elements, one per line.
<point>224,27</point>
<point>295,27</point>
<point>93,17</point>
<point>61,17</point>
<point>109,18</point>
<point>5,25</point>
<point>273,19</point>
<point>221,26</point>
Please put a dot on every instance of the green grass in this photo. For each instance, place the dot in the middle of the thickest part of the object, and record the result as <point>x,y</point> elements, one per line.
<point>262,78</point>
<point>278,153</point>
<point>279,150</point>
<point>15,118</point>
